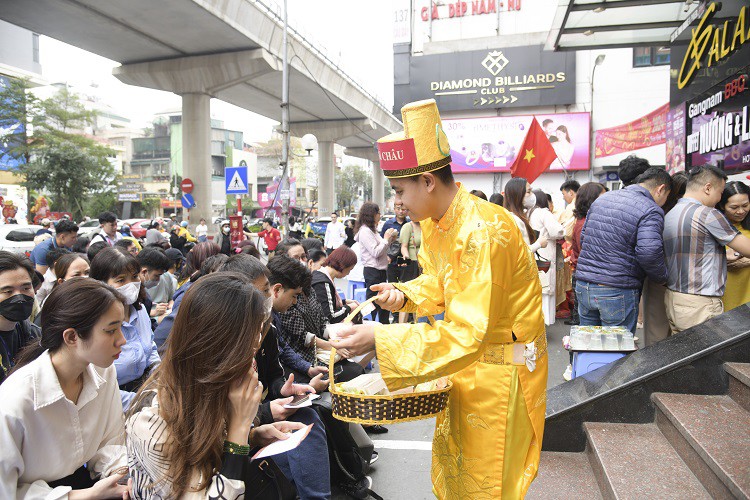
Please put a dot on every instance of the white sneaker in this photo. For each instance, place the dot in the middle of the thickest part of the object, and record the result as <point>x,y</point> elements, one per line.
<point>568,374</point>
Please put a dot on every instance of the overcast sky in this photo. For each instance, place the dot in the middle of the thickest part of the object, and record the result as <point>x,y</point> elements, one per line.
<point>360,32</point>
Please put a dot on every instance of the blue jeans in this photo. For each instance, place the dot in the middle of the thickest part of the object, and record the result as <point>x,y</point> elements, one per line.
<point>307,465</point>
<point>600,305</point>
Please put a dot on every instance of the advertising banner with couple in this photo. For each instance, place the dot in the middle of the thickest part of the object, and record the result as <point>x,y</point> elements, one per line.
<point>488,145</point>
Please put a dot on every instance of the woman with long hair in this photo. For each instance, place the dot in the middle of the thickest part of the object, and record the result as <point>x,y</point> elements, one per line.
<point>548,228</point>
<point>518,199</point>
<point>562,146</point>
<point>374,251</point>
<point>735,205</point>
<point>61,416</point>
<point>117,268</point>
<point>195,258</point>
<point>191,425</point>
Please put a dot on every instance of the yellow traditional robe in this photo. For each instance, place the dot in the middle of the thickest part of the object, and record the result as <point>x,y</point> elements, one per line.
<point>480,272</point>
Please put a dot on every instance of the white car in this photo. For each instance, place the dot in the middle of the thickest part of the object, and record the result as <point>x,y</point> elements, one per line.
<point>17,239</point>
<point>88,228</point>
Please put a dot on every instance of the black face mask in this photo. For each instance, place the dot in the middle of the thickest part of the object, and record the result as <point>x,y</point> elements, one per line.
<point>17,308</point>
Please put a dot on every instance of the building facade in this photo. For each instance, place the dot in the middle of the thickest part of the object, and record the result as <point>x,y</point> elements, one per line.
<point>155,172</point>
<point>709,120</point>
<point>19,59</point>
<point>484,63</point>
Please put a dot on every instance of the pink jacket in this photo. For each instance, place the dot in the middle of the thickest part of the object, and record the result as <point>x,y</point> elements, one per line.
<point>374,248</point>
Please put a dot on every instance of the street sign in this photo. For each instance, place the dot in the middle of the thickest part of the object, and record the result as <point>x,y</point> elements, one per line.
<point>128,197</point>
<point>187,200</point>
<point>235,179</point>
<point>284,194</point>
<point>187,186</point>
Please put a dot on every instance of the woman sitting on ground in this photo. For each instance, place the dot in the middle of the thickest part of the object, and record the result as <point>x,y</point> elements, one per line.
<point>191,426</point>
<point>117,268</point>
<point>338,265</point>
<point>61,423</point>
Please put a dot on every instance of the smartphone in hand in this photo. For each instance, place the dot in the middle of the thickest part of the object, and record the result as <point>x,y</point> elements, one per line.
<point>298,399</point>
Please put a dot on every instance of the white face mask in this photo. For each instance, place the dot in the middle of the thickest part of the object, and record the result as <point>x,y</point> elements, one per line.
<point>130,291</point>
<point>225,230</point>
<point>529,201</point>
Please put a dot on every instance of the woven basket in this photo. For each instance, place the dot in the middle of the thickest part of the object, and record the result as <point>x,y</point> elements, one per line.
<point>389,409</point>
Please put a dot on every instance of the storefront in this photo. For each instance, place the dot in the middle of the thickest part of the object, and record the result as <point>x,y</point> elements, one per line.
<point>709,120</point>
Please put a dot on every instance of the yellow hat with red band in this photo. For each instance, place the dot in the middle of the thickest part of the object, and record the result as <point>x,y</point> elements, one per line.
<point>421,147</point>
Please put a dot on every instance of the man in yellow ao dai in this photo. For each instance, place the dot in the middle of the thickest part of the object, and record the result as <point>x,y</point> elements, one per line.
<point>479,272</point>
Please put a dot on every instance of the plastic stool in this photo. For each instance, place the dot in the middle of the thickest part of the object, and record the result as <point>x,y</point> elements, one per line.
<point>354,285</point>
<point>360,295</point>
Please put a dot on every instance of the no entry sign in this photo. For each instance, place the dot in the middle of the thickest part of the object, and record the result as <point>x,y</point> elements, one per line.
<point>187,186</point>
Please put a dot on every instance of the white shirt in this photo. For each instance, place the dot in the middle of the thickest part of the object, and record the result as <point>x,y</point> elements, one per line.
<point>45,437</point>
<point>335,235</point>
<point>46,288</point>
<point>543,221</point>
<point>201,230</point>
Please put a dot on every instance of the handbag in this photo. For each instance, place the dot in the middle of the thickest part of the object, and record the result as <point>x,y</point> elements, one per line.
<point>541,263</point>
<point>394,250</point>
<point>264,481</point>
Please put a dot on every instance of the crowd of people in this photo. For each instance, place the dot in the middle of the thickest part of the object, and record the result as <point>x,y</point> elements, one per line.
<point>665,253</point>
<point>152,368</point>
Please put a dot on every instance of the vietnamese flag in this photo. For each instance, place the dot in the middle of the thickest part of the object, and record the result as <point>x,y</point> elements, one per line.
<point>535,156</point>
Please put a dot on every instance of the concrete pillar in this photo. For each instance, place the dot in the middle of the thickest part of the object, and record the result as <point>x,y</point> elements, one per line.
<point>196,153</point>
<point>326,193</point>
<point>378,186</point>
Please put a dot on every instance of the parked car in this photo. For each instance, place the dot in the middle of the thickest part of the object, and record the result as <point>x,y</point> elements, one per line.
<point>319,227</point>
<point>88,228</point>
<point>138,227</point>
<point>18,239</point>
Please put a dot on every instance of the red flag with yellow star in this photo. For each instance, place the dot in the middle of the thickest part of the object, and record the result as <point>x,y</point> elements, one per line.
<point>535,155</point>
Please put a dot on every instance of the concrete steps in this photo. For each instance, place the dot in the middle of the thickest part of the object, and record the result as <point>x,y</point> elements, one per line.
<point>564,476</point>
<point>698,447</point>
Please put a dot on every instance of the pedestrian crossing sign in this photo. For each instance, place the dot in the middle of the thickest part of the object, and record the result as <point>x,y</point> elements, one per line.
<point>236,180</point>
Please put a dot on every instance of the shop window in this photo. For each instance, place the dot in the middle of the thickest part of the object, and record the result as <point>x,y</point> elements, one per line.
<point>644,57</point>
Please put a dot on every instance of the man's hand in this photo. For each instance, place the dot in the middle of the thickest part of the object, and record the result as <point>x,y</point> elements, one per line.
<point>389,297</point>
<point>316,370</point>
<point>357,339</point>
<point>318,383</point>
<point>159,310</point>
<point>279,412</point>
<point>292,389</point>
